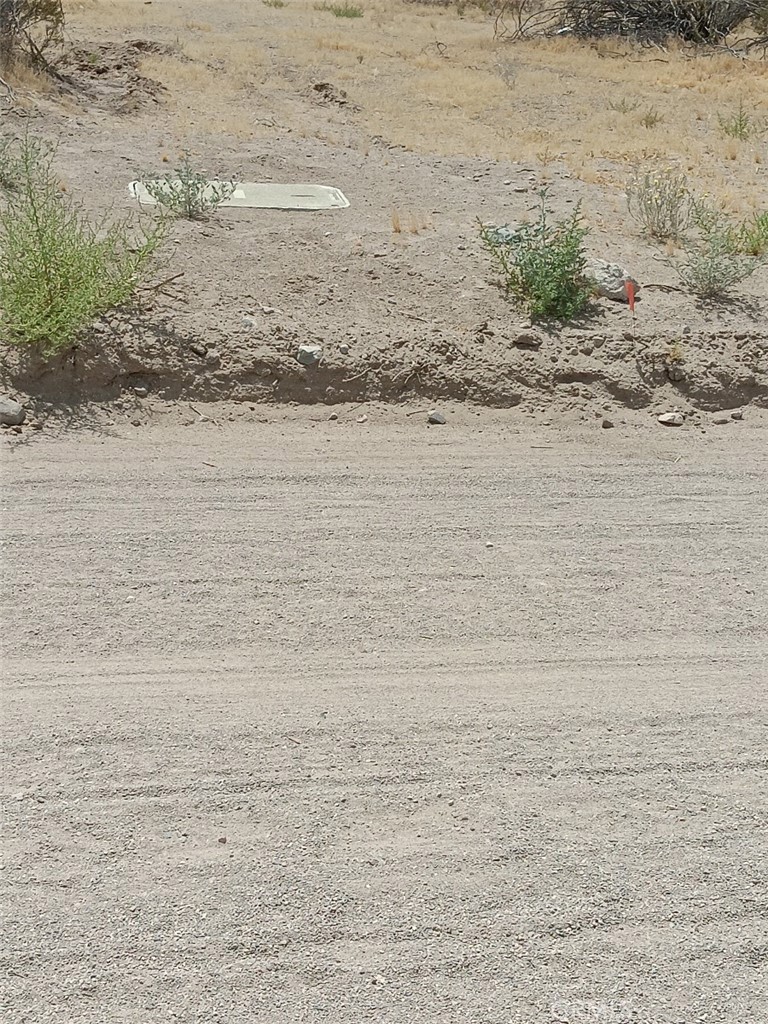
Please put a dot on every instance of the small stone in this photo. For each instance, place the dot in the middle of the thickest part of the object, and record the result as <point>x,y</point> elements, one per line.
<point>489,543</point>
<point>436,417</point>
<point>17,428</point>
<point>223,840</point>
<point>721,418</point>
<point>362,419</point>
<point>12,413</point>
<point>141,392</point>
<point>344,349</point>
<point>213,356</point>
<point>737,414</point>
<point>309,355</point>
<point>135,423</point>
<point>526,339</point>
<point>686,330</point>
<point>671,419</point>
<point>675,373</point>
<point>36,424</point>
<point>333,416</point>
<point>199,348</point>
<point>608,424</point>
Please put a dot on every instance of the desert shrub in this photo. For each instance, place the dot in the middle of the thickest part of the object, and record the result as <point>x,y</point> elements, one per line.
<point>695,21</point>
<point>713,262</point>
<point>27,29</point>
<point>343,10</point>
<point>187,192</point>
<point>660,202</point>
<point>741,124</point>
<point>542,262</point>
<point>58,269</point>
<point>274,3</point>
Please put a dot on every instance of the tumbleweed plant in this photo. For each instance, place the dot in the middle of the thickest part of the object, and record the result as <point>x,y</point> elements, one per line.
<point>188,193</point>
<point>59,270</point>
<point>660,202</point>
<point>542,262</point>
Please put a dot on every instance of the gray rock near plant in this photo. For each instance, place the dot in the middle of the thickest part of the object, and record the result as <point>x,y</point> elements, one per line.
<point>436,417</point>
<point>610,279</point>
<point>12,413</point>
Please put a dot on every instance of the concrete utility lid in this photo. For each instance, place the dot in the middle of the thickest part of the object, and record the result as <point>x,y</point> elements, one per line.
<point>266,196</point>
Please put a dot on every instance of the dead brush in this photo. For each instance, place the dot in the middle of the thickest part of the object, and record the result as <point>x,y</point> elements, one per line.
<point>411,223</point>
<point>660,202</point>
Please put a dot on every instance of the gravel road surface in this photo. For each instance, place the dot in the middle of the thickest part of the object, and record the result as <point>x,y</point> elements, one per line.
<point>329,722</point>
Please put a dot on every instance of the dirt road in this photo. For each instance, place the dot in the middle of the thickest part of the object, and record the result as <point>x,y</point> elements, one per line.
<point>329,722</point>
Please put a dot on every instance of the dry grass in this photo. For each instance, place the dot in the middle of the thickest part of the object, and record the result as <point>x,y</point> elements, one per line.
<point>428,80</point>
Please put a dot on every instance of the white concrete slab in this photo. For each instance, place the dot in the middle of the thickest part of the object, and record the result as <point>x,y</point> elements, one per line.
<point>267,196</point>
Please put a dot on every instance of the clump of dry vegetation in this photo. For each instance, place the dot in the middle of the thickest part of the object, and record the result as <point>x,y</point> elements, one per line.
<point>695,21</point>
<point>29,28</point>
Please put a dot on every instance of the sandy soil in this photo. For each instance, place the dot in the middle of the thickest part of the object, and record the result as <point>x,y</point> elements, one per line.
<point>397,290</point>
<point>310,721</point>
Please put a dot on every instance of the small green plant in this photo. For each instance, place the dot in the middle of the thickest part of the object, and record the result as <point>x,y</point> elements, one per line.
<point>345,10</point>
<point>651,118</point>
<point>542,262</point>
<point>623,106</point>
<point>712,264</point>
<point>660,202</point>
<point>187,192</point>
<point>752,236</point>
<point>58,269</point>
<point>274,3</point>
<point>741,124</point>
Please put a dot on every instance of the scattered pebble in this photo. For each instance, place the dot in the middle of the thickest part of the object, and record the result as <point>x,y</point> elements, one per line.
<point>489,543</point>
<point>608,424</point>
<point>199,348</point>
<point>737,414</point>
<point>527,339</point>
<point>141,392</point>
<point>436,417</point>
<point>362,419</point>
<point>135,423</point>
<point>671,419</point>
<point>721,418</point>
<point>333,416</point>
<point>213,356</point>
<point>344,349</point>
